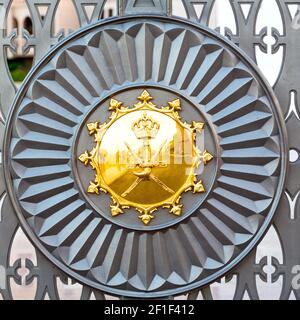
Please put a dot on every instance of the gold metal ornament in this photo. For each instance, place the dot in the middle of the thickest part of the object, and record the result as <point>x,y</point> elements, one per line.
<point>145,157</point>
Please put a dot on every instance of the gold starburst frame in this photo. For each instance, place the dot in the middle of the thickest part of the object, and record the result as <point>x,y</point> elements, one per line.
<point>146,129</point>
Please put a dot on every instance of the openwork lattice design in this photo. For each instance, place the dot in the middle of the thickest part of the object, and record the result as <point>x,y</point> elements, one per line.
<point>263,270</point>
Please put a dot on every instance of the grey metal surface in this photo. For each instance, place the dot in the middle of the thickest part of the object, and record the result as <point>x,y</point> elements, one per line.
<point>287,228</point>
<point>129,7</point>
<point>42,28</point>
<point>244,185</point>
<point>191,12</point>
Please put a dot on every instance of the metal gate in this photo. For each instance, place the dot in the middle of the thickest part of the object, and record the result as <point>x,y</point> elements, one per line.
<point>148,66</point>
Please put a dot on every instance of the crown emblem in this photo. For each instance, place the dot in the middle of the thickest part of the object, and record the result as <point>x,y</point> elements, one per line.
<point>145,128</point>
<point>144,181</point>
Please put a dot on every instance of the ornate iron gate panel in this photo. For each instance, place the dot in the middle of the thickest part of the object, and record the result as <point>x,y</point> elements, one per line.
<point>150,89</point>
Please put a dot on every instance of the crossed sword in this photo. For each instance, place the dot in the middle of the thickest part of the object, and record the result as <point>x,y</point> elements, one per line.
<point>147,173</point>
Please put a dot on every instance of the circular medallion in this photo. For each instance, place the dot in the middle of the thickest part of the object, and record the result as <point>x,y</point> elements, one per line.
<point>155,152</point>
<point>145,156</point>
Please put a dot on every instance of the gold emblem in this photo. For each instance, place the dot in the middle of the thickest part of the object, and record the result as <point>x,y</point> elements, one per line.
<point>146,157</point>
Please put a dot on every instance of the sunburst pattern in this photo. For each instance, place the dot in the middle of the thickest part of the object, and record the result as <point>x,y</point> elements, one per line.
<point>188,61</point>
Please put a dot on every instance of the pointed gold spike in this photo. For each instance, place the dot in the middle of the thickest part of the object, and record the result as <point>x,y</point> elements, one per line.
<point>198,126</point>
<point>207,157</point>
<point>85,158</point>
<point>92,127</point>
<point>93,188</point>
<point>146,218</point>
<point>175,104</point>
<point>199,187</point>
<point>145,96</point>
<point>114,105</point>
<point>176,210</point>
<point>115,209</point>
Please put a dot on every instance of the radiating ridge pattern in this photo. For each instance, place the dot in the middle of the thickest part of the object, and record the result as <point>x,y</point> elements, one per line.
<point>193,63</point>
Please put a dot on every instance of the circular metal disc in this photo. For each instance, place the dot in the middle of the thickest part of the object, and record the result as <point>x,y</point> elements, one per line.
<point>171,59</point>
